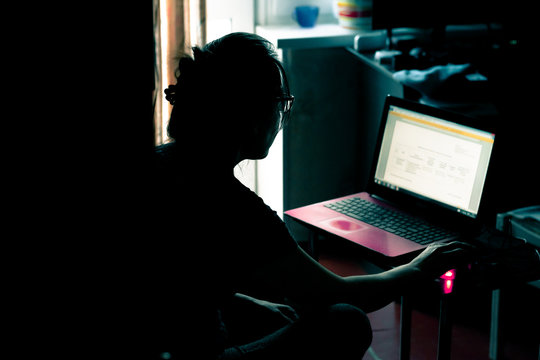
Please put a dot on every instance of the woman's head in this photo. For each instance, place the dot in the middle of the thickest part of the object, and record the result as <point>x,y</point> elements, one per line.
<point>230,96</point>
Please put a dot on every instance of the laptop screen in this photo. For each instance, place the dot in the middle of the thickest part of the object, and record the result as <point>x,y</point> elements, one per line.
<point>434,159</point>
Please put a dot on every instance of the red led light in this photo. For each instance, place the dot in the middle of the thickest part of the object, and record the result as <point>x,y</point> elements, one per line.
<point>448,281</point>
<point>449,275</point>
<point>447,287</point>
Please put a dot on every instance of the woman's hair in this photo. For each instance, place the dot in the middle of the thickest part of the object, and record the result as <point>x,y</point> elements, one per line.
<point>225,88</point>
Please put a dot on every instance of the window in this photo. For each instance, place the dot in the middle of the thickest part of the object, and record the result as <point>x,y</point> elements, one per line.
<point>178,25</point>
<point>206,20</point>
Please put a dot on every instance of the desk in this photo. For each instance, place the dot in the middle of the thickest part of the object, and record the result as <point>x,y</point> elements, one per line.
<point>508,272</point>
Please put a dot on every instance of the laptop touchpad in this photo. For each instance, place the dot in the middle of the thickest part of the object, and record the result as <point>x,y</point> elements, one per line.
<point>343,224</point>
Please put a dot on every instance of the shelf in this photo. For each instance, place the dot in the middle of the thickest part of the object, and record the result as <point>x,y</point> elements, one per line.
<point>320,36</point>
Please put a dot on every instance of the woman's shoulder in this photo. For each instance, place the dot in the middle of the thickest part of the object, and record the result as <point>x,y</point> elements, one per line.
<point>245,194</point>
<point>252,206</point>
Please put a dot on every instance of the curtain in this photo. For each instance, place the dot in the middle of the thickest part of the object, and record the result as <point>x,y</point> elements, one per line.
<point>178,25</point>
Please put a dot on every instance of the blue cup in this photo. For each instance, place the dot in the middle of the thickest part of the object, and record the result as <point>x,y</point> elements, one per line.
<point>306,16</point>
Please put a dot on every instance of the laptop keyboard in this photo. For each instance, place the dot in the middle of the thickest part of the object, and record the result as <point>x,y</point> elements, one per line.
<point>409,227</point>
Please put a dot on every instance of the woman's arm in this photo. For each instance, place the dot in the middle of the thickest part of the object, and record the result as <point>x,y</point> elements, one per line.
<point>304,281</point>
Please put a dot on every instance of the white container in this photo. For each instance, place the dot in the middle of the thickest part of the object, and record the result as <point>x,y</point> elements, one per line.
<point>354,14</point>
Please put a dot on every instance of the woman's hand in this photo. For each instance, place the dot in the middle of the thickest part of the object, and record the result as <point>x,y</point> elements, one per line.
<point>441,257</point>
<point>257,305</point>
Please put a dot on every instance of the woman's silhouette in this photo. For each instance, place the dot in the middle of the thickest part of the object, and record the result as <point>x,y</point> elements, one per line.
<point>226,254</point>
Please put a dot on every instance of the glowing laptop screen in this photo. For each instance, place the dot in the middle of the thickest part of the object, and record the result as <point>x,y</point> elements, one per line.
<point>434,159</point>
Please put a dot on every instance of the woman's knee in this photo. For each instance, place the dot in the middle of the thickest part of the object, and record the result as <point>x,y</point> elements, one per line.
<point>349,326</point>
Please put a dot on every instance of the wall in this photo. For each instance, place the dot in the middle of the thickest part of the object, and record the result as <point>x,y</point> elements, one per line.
<point>225,16</point>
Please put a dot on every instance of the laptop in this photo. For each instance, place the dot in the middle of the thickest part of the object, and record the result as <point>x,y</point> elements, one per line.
<point>427,183</point>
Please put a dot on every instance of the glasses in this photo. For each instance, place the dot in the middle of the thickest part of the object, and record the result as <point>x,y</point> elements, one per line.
<point>285,103</point>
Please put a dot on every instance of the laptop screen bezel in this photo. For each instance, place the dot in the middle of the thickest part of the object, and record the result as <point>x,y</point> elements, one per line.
<point>436,210</point>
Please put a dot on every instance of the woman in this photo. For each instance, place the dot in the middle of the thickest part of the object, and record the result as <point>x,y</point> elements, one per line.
<point>232,251</point>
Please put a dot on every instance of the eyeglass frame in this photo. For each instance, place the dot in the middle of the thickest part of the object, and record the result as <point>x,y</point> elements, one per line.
<point>288,100</point>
